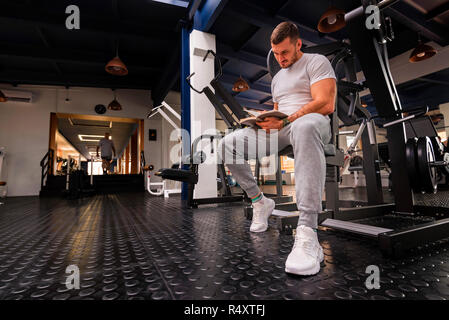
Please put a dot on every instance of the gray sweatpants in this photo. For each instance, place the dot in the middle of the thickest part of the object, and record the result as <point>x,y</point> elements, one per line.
<point>307,135</point>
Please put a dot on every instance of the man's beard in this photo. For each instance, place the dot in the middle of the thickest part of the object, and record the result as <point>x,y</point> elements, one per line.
<point>294,59</point>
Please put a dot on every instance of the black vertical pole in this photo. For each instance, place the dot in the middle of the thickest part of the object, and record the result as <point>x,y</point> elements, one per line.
<point>371,168</point>
<point>374,62</point>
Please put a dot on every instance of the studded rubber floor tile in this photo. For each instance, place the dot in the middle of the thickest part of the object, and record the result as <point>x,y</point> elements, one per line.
<point>134,246</point>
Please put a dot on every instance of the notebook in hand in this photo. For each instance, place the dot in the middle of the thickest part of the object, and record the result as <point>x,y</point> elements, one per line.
<point>258,116</point>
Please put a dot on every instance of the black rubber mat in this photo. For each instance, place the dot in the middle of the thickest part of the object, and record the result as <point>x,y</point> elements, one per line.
<point>134,246</point>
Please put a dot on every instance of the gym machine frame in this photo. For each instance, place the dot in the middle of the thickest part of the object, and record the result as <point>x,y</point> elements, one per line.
<point>163,189</point>
<point>370,46</point>
<point>231,118</point>
<point>197,157</point>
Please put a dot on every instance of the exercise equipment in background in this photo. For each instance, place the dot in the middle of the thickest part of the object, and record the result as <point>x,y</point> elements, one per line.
<point>161,187</point>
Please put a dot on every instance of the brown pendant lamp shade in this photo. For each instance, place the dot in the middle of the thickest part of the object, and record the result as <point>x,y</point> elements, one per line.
<point>116,67</point>
<point>240,85</point>
<point>422,52</point>
<point>115,105</point>
<point>332,20</point>
<point>3,97</point>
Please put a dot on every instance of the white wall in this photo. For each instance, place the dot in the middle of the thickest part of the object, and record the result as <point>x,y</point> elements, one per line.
<point>24,127</point>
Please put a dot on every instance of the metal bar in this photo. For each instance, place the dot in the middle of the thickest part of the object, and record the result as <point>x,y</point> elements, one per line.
<point>371,168</point>
<point>225,189</point>
<point>220,108</point>
<point>286,206</point>
<point>386,3</point>
<point>185,103</point>
<point>394,243</point>
<point>402,120</point>
<point>359,11</point>
<point>357,137</point>
<point>347,214</point>
<point>278,177</point>
<point>193,7</point>
<point>91,171</point>
<point>331,188</point>
<point>230,101</point>
<point>166,117</point>
<point>177,115</point>
<point>374,62</point>
<point>257,171</point>
<point>204,136</point>
<point>209,12</point>
<point>352,227</point>
<point>279,200</point>
<point>224,199</point>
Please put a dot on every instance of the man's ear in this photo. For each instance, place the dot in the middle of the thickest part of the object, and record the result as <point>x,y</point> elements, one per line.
<point>298,45</point>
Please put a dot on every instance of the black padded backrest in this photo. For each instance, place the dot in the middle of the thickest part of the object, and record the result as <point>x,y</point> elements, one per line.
<point>272,64</point>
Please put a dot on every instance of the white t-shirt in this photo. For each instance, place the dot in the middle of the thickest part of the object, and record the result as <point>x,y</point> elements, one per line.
<point>290,87</point>
<point>106,147</point>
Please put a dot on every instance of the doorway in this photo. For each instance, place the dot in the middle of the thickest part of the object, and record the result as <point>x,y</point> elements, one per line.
<point>74,139</point>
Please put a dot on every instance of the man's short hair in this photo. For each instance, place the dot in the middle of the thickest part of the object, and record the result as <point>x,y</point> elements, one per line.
<point>283,31</point>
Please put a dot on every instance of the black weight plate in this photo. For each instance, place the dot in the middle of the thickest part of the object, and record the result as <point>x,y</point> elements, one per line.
<point>438,148</point>
<point>427,173</point>
<point>412,168</point>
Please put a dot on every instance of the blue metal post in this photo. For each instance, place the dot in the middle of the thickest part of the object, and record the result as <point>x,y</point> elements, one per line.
<point>185,98</point>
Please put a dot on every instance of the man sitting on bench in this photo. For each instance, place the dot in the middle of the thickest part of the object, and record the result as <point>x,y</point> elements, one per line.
<point>305,89</point>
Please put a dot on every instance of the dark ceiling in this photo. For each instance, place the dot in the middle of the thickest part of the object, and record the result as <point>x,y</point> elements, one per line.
<point>36,48</point>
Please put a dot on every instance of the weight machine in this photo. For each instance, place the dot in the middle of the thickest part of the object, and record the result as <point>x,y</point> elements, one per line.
<point>403,225</point>
<point>162,185</point>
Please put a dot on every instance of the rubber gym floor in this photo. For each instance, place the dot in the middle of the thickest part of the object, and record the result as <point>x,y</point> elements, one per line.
<point>135,246</point>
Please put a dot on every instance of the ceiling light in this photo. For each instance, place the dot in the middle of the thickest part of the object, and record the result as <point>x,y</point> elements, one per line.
<point>91,137</point>
<point>422,52</point>
<point>3,97</point>
<point>332,20</point>
<point>240,85</point>
<point>116,67</point>
<point>114,105</point>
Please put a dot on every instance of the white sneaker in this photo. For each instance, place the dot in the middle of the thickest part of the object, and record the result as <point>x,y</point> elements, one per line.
<point>261,211</point>
<point>306,254</point>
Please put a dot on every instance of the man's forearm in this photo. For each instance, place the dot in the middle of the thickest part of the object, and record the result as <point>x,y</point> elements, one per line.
<point>312,107</point>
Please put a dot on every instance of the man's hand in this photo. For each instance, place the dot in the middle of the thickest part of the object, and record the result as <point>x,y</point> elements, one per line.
<point>270,123</point>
